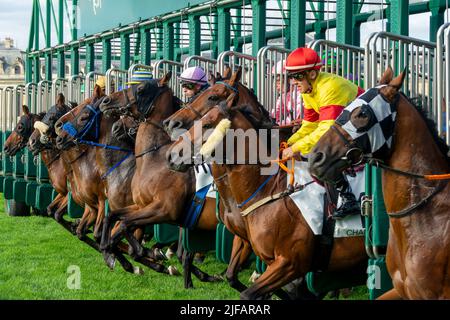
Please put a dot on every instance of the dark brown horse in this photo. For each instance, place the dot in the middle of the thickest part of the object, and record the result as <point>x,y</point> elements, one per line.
<point>277,231</point>
<point>418,252</point>
<point>160,195</point>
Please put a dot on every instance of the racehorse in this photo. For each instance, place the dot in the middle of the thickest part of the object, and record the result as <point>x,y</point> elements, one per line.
<point>19,138</point>
<point>396,136</point>
<point>230,214</point>
<point>277,231</point>
<point>160,195</point>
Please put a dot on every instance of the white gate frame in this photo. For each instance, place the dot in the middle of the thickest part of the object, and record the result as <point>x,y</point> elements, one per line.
<point>89,83</point>
<point>235,59</point>
<point>442,81</point>
<point>207,64</point>
<point>161,67</point>
<point>116,78</point>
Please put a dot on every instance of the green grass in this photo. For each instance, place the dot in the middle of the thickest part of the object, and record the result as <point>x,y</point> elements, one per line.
<point>36,252</point>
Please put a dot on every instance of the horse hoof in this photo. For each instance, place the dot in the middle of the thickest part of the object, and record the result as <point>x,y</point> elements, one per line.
<point>110,261</point>
<point>255,275</point>
<point>169,254</point>
<point>159,255</point>
<point>215,278</point>
<point>138,270</point>
<point>173,271</point>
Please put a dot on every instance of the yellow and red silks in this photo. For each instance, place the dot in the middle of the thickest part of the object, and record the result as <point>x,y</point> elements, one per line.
<point>330,95</point>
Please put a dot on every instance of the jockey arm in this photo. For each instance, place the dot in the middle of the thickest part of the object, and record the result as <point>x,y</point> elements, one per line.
<point>331,101</point>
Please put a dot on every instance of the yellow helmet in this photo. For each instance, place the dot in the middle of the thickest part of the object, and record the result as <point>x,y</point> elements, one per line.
<point>101,82</point>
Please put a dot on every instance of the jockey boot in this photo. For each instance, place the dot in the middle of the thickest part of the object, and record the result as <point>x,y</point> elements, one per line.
<point>349,206</point>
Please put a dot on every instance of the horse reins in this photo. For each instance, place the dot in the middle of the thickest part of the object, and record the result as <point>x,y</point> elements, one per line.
<point>351,145</point>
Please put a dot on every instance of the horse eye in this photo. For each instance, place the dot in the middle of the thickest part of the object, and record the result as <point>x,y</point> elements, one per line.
<point>207,126</point>
<point>213,98</point>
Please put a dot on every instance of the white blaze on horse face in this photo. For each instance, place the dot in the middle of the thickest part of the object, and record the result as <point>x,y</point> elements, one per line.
<point>215,138</point>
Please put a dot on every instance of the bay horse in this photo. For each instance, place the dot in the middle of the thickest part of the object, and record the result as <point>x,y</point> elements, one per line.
<point>19,139</point>
<point>277,231</point>
<point>418,251</point>
<point>221,89</point>
<point>160,195</point>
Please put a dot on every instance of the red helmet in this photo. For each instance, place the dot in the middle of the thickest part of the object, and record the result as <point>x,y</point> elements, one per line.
<point>303,59</point>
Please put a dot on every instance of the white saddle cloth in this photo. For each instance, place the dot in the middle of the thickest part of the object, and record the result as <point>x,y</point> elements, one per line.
<point>310,203</point>
<point>203,177</point>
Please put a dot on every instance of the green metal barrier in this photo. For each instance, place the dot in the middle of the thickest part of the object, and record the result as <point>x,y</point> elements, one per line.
<point>75,211</point>
<point>166,233</point>
<point>224,243</point>
<point>30,197</point>
<point>198,240</point>
<point>44,196</point>
<point>377,234</point>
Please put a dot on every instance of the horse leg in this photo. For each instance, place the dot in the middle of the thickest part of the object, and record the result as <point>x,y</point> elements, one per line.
<point>277,274</point>
<point>87,220</point>
<point>390,295</point>
<point>241,251</point>
<point>188,258</point>
<point>61,208</point>
<point>109,222</point>
<point>54,205</point>
<point>99,220</point>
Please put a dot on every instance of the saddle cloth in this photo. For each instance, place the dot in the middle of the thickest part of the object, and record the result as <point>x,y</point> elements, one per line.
<point>310,201</point>
<point>203,177</point>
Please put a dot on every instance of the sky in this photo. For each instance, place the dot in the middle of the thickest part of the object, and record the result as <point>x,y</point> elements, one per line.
<point>15,17</point>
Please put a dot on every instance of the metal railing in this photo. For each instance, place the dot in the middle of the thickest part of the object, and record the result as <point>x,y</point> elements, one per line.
<point>207,64</point>
<point>116,80</point>
<point>235,59</point>
<point>442,82</point>
<point>59,85</point>
<point>416,56</point>
<point>75,89</point>
<point>6,102</point>
<point>89,83</point>
<point>161,67</point>
<point>344,60</point>
<point>275,92</point>
<point>31,96</point>
<point>44,94</point>
<point>17,103</point>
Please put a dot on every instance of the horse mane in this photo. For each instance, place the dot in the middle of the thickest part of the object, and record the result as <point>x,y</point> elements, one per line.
<point>431,125</point>
<point>245,109</point>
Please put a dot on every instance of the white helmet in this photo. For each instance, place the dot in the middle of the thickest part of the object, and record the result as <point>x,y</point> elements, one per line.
<point>194,75</point>
<point>279,68</point>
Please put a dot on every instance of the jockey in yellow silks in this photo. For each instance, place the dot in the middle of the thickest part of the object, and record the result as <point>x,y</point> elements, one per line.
<point>324,97</point>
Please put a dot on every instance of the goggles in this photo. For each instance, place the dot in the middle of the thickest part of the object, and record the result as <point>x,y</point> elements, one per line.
<point>188,85</point>
<point>298,75</point>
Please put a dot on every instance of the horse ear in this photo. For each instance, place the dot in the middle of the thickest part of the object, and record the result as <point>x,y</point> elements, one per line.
<point>227,73</point>
<point>387,76</point>
<point>165,80</point>
<point>235,77</point>
<point>397,82</point>
<point>25,110</point>
<point>211,79</point>
<point>230,101</point>
<point>97,91</point>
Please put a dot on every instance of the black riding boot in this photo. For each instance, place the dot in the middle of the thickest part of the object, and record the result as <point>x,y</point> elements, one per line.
<point>349,204</point>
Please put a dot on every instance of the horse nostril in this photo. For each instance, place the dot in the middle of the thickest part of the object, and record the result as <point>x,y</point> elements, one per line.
<point>106,101</point>
<point>59,140</point>
<point>166,123</point>
<point>178,125</point>
<point>6,148</point>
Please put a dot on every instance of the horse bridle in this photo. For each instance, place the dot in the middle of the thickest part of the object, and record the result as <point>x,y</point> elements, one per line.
<point>143,115</point>
<point>352,146</point>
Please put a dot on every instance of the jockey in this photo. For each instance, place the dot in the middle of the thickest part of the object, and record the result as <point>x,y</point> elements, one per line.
<point>324,95</point>
<point>282,113</point>
<point>193,81</point>
<point>139,76</point>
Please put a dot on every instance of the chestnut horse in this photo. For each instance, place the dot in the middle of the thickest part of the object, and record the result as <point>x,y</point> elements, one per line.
<point>418,252</point>
<point>160,195</point>
<point>221,89</point>
<point>277,231</point>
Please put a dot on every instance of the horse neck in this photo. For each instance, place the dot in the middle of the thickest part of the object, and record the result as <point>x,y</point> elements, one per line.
<point>415,151</point>
<point>245,179</point>
<point>106,137</point>
<point>150,132</point>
